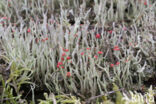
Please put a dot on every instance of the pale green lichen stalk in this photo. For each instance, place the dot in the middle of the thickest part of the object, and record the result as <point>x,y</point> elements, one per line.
<point>138,98</point>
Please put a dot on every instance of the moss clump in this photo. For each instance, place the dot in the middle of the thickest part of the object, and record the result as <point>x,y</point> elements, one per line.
<point>118,94</point>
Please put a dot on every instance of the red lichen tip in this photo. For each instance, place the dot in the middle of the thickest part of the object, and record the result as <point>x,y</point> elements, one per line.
<point>96,56</point>
<point>110,31</point>
<point>98,36</point>
<point>65,50</point>
<point>100,52</point>
<point>63,54</point>
<point>117,63</point>
<point>28,30</point>
<point>82,53</point>
<point>68,58</point>
<point>116,48</point>
<point>68,74</point>
<point>59,63</point>
<point>111,65</point>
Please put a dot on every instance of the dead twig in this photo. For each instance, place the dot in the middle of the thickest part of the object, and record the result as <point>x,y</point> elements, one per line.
<point>6,99</point>
<point>95,97</point>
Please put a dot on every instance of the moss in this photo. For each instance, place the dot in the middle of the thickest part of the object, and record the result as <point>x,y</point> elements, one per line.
<point>106,101</point>
<point>118,94</point>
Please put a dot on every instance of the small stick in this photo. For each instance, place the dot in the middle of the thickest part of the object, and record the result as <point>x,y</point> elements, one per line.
<point>5,99</point>
<point>95,97</point>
